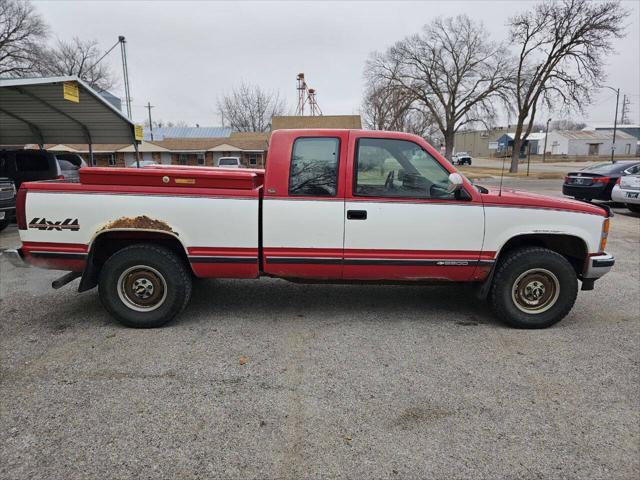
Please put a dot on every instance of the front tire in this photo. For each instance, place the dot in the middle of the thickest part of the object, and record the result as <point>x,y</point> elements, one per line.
<point>144,286</point>
<point>533,288</point>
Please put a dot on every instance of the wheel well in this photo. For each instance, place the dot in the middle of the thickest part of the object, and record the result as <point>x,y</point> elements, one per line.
<point>573,248</point>
<point>108,243</point>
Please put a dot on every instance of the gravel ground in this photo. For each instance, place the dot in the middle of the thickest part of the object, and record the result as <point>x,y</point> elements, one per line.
<point>266,379</point>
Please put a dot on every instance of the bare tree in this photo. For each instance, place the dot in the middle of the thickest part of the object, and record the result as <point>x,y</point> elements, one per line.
<point>248,108</point>
<point>77,57</point>
<point>387,107</point>
<point>21,31</point>
<point>450,69</point>
<point>561,46</point>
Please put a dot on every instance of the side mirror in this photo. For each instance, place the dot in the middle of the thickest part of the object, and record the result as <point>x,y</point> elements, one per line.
<point>455,182</point>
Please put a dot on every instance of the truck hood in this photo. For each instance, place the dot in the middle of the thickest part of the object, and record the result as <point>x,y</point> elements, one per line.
<point>516,198</point>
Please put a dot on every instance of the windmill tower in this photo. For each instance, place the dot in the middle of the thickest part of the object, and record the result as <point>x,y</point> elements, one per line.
<point>306,98</point>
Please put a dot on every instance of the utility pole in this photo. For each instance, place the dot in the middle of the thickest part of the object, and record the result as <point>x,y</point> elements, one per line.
<point>615,126</point>
<point>615,121</point>
<point>546,134</point>
<point>125,71</point>
<point>149,107</point>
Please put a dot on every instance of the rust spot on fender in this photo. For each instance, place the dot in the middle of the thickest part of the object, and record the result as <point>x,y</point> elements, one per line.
<point>141,222</point>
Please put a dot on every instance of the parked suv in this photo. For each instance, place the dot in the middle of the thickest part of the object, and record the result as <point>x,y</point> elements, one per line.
<point>462,158</point>
<point>7,201</point>
<point>29,165</point>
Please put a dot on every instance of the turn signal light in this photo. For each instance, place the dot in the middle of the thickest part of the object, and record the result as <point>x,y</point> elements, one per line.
<point>605,235</point>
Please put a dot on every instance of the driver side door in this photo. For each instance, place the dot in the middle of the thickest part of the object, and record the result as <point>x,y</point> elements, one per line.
<point>400,222</point>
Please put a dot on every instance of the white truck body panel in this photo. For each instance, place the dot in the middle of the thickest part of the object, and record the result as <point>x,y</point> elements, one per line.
<point>197,221</point>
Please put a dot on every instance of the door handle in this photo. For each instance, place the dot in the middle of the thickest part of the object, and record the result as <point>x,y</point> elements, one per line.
<point>356,214</point>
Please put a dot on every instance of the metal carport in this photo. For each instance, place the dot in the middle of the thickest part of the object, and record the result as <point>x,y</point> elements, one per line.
<point>60,110</point>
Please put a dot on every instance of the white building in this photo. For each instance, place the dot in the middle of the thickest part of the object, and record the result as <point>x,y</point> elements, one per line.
<point>590,143</point>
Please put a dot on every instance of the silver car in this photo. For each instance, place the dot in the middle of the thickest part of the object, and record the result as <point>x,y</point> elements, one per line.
<point>627,191</point>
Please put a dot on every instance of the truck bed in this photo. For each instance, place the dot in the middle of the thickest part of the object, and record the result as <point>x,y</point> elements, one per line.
<point>212,213</point>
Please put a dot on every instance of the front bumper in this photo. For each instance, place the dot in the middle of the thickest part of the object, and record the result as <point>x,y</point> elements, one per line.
<point>598,265</point>
<point>15,258</point>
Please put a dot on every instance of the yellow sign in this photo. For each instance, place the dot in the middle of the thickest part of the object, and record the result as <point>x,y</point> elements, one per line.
<point>139,133</point>
<point>71,92</point>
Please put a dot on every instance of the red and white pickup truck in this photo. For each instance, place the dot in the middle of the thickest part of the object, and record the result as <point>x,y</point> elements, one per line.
<point>332,206</point>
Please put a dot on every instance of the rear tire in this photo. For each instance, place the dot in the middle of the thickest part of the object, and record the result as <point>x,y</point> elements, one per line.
<point>144,286</point>
<point>533,288</point>
<point>630,206</point>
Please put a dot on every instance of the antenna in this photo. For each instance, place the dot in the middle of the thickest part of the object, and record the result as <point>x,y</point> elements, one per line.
<point>504,157</point>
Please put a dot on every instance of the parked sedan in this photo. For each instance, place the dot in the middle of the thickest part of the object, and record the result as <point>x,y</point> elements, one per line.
<point>627,191</point>
<point>596,181</point>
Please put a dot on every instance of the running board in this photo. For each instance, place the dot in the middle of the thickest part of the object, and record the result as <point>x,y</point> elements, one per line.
<point>66,278</point>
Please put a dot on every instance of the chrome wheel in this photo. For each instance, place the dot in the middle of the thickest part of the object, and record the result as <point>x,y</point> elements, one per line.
<point>142,288</point>
<point>535,291</point>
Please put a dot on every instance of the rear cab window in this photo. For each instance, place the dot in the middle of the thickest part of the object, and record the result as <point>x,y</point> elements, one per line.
<point>314,167</point>
<point>69,162</point>
<point>66,165</point>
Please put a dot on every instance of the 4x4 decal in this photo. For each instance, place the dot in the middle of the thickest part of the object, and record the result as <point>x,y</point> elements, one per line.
<point>44,224</point>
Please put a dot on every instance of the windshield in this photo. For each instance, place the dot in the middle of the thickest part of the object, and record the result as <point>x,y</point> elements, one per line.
<point>228,161</point>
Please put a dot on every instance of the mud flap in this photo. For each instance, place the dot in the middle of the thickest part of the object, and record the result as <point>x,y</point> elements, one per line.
<point>90,274</point>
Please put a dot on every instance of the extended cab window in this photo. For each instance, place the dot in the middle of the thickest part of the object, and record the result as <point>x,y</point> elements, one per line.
<point>314,167</point>
<point>398,168</point>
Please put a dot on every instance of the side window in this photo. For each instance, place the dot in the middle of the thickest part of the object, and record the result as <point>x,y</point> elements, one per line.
<point>398,168</point>
<point>314,167</point>
<point>31,162</point>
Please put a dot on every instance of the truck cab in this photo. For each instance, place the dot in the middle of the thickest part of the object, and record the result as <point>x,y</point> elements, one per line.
<point>365,205</point>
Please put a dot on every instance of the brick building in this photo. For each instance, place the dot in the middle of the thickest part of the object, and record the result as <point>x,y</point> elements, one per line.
<point>249,147</point>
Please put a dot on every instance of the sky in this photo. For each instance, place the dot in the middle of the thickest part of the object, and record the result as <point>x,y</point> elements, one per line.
<point>183,56</point>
